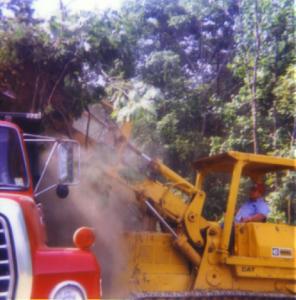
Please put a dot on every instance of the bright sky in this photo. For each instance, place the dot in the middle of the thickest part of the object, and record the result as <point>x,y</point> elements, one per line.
<point>47,8</point>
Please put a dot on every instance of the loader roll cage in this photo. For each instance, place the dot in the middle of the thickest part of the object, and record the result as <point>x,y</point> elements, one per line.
<point>238,165</point>
<point>254,163</point>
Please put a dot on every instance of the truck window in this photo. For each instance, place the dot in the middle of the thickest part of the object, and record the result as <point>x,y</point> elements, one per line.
<point>13,173</point>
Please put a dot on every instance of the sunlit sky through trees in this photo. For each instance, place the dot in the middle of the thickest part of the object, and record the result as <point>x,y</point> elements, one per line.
<point>46,8</point>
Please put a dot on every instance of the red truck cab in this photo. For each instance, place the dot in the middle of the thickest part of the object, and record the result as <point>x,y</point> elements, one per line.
<point>29,269</point>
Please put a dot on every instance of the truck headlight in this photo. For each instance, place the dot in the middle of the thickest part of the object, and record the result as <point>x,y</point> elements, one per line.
<point>68,290</point>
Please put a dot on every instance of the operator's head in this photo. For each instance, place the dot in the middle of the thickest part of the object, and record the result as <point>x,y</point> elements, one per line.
<point>257,191</point>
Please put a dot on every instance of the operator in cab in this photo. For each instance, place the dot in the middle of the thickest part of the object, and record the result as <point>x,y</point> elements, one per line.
<point>255,209</point>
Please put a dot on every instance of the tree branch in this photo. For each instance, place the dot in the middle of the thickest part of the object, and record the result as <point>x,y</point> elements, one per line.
<point>58,82</point>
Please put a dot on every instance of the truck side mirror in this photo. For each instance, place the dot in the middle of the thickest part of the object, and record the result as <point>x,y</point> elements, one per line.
<point>68,166</point>
<point>62,191</point>
<point>66,155</point>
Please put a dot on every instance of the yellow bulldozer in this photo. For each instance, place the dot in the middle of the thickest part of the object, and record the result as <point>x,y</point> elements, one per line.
<point>187,256</point>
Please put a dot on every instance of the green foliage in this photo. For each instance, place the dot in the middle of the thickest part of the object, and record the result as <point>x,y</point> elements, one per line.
<point>285,93</point>
<point>186,72</point>
<point>264,57</point>
<point>162,67</point>
<point>203,56</point>
<point>57,67</point>
<point>283,200</point>
<point>133,101</point>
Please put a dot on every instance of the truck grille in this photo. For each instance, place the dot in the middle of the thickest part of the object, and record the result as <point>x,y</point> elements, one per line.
<point>7,271</point>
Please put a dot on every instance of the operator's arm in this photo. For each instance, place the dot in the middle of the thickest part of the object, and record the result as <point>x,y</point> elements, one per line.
<point>254,218</point>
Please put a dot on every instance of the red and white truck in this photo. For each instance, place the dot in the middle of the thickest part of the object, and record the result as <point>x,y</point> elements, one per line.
<point>29,269</point>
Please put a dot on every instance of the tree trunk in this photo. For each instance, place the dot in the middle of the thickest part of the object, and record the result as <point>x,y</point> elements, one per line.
<point>254,83</point>
<point>254,124</point>
<point>251,74</point>
<point>293,140</point>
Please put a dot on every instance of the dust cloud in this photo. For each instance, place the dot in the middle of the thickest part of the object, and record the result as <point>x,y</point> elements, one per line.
<point>99,202</point>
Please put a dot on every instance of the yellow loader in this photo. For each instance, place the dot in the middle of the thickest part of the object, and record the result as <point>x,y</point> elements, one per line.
<point>188,256</point>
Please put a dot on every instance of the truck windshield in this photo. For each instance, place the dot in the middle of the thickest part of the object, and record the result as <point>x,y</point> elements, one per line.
<point>13,175</point>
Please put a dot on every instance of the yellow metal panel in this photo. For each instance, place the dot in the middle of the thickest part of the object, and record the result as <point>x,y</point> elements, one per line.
<point>154,264</point>
<point>265,250</point>
<point>242,273</point>
<point>261,262</point>
<point>193,219</point>
<point>231,203</point>
<point>250,270</point>
<point>169,203</point>
<point>256,163</point>
<point>176,179</point>
<point>266,240</point>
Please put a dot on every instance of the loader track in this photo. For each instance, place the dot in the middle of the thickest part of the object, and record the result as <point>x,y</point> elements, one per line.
<point>212,295</point>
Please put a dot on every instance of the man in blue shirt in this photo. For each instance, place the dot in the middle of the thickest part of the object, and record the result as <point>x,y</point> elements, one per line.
<point>255,209</point>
